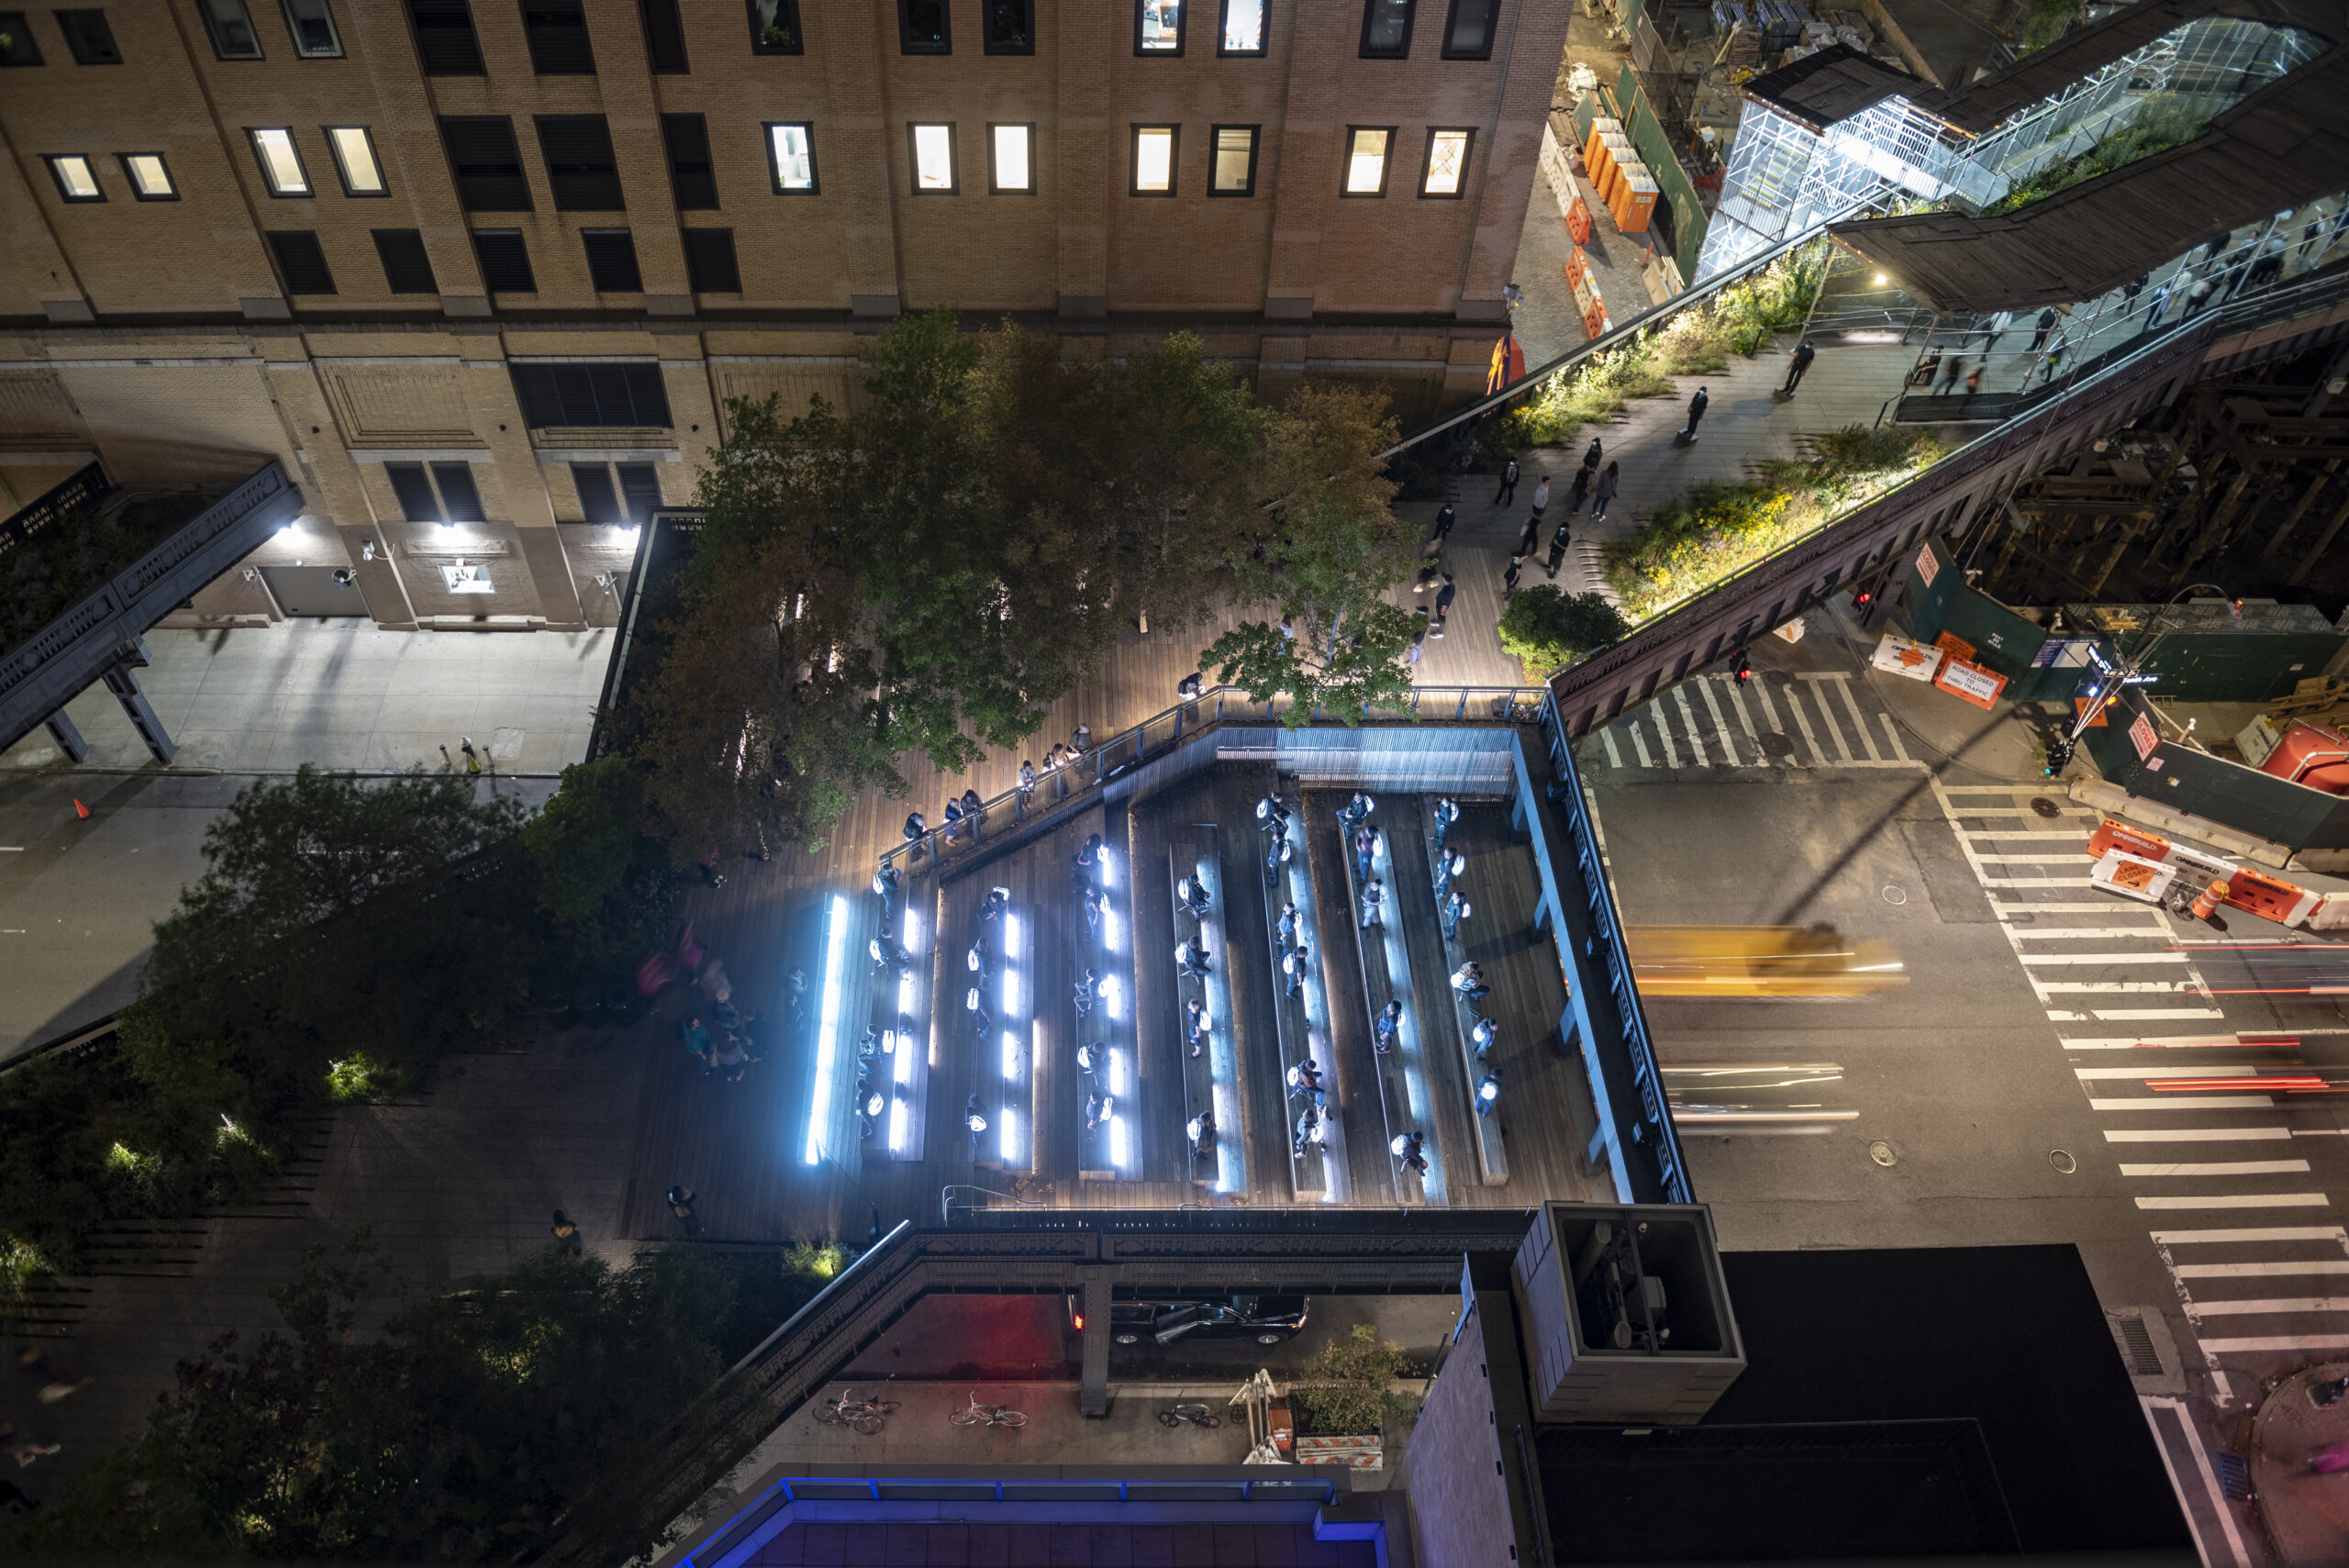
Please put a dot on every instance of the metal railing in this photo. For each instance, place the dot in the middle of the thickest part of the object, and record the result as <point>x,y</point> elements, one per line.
<point>1078,782</point>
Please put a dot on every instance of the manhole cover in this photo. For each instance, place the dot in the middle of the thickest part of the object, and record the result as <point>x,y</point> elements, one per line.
<point>2044,807</point>
<point>1896,896</point>
<point>1777,746</point>
<point>2062,1162</point>
<point>1881,1152</point>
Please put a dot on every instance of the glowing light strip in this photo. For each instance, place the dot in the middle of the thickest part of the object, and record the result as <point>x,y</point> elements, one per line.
<point>828,1033</point>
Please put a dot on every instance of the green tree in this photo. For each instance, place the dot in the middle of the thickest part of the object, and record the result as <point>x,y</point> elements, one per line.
<point>1348,1387</point>
<point>583,839</point>
<point>1327,556</point>
<point>467,1429</point>
<point>1548,630</point>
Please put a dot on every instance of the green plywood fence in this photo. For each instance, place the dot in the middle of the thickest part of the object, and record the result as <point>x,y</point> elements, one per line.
<point>2183,779</point>
<point>1688,221</point>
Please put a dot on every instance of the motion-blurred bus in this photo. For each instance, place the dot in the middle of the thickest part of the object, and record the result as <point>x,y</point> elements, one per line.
<point>1759,960</point>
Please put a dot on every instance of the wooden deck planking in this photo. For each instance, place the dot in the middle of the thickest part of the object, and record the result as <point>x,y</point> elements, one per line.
<point>1411,900</point>
<point>1163,1072</point>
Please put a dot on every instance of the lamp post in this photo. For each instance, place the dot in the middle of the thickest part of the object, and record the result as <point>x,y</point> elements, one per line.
<point>2128,673</point>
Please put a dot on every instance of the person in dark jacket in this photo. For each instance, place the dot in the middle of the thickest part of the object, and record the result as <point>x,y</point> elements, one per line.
<point>1696,413</point>
<point>1800,362</point>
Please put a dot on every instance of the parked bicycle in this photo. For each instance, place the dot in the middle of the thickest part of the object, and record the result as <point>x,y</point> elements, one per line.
<point>865,1416</point>
<point>977,1415</point>
<point>1189,1416</point>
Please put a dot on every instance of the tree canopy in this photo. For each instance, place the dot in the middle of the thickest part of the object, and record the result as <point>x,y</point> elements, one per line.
<point>1549,628</point>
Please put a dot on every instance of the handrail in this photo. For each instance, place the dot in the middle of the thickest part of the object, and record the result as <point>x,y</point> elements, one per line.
<point>1472,704</point>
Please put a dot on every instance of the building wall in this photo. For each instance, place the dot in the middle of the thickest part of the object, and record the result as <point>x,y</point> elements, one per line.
<point>160,335</point>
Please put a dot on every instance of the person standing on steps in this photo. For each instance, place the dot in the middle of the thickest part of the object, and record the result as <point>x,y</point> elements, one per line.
<point>1696,413</point>
<point>1609,483</point>
<point>1508,491</point>
<point>1801,362</point>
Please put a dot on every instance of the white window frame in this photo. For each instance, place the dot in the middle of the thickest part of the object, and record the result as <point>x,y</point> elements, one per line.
<point>59,163</point>
<point>921,148</point>
<point>339,137</point>
<point>777,156</point>
<point>1467,143</point>
<point>467,578</point>
<point>130,162</point>
<point>1223,29</point>
<point>1174,136</point>
<point>1350,183</point>
<point>271,173</point>
<point>1023,134</point>
<point>1216,186</point>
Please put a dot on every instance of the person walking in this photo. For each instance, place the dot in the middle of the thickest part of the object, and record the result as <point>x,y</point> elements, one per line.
<point>2197,297</point>
<point>696,1034</point>
<point>1200,1130</point>
<point>1558,542</point>
<point>1442,528</point>
<point>1508,585</point>
<point>1974,381</point>
<point>1373,901</point>
<point>1689,432</point>
<point>1456,908</point>
<point>1592,455</point>
<point>566,1235</point>
<point>1407,1150</point>
<point>1540,497</point>
<point>1447,866</point>
<point>1608,484</point>
<point>953,821</point>
<point>2054,360</point>
<point>1366,850</point>
<point>974,1122</point>
<point>974,812</point>
<point>681,1204</point>
<point>1293,965</point>
<point>1995,328</point>
<point>1508,491</point>
<point>1952,372</point>
<point>2155,311</point>
<point>1447,812</point>
<point>1528,538</point>
<point>2042,329</point>
<point>1390,1019</point>
<point>1468,980</point>
<point>1803,355</point>
<point>1027,784</point>
<point>1445,594</point>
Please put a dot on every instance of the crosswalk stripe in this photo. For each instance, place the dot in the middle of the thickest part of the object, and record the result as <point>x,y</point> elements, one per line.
<point>2255,1233</point>
<point>2074,933</point>
<point>2277,1342</point>
<point>2019,858</point>
<point>2162,1074</point>
<point>1721,723</point>
<point>2115,987</point>
<point>1640,744</point>
<point>1770,713</point>
<point>2125,1015</point>
<point>1745,720</point>
<point>1859,722</point>
<point>2261,1270</point>
<point>1892,735</point>
<point>2146,1041</point>
<point>1664,732</point>
<point>1607,739</point>
<point>1688,718</point>
<point>2186,1103</point>
<point>2239,1200</point>
<point>2198,1135</point>
<point>2273,1304</point>
<point>2221,1168</point>
<point>2101,958</point>
<point>1826,720</point>
<point>2005,909</point>
<point>2037,882</point>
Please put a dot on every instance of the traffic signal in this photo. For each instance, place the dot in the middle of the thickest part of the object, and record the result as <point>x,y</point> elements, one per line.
<point>1743,670</point>
<point>2059,755</point>
<point>1863,599</point>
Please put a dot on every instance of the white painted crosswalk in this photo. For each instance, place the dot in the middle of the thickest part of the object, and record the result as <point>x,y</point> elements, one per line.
<point>1711,721</point>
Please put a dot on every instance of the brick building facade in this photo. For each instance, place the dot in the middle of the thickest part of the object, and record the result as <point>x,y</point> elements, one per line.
<point>481,273</point>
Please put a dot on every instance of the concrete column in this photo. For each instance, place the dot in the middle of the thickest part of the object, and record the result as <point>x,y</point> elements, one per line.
<point>629,95</point>
<point>68,736</point>
<point>1093,1393</point>
<point>1090,151</point>
<point>497,416</point>
<point>863,166</point>
<point>123,681</point>
<point>1305,183</point>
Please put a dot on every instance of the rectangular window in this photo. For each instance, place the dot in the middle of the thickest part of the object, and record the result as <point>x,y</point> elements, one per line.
<point>923,27</point>
<point>1011,161</point>
<point>710,267</point>
<point>1153,160</point>
<point>933,148</point>
<point>1386,30</point>
<point>1158,27</point>
<point>692,180</point>
<point>611,261</point>
<point>1235,162</point>
<point>1366,160</point>
<point>151,181</point>
<point>639,490</point>
<point>76,181</point>
<point>606,394</point>
<point>1244,27</point>
<point>460,499</point>
<point>504,260</point>
<point>1469,30</point>
<point>89,38</point>
<point>301,259</point>
<point>486,162</point>
<point>1447,169</point>
<point>280,161</point>
<point>445,42</point>
<point>597,504</point>
<point>775,27</point>
<point>1010,26</point>
<point>581,167</point>
<point>311,23</point>
<point>20,48</point>
<point>791,158</point>
<point>407,267</point>
<point>231,26</point>
<point>664,36</point>
<point>414,492</point>
<point>467,578</point>
<point>354,160</point>
<point>557,33</point>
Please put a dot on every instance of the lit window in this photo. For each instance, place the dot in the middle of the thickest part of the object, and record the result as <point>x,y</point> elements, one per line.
<point>149,179</point>
<point>1010,166</point>
<point>231,26</point>
<point>463,578</point>
<point>281,165</point>
<point>1366,160</point>
<point>354,156</point>
<point>1386,29</point>
<point>1244,27</point>
<point>933,148</point>
<point>1158,27</point>
<point>75,179</point>
<point>791,151</point>
<point>1235,162</point>
<point>1468,31</point>
<point>312,25</point>
<point>1153,160</point>
<point>1447,162</point>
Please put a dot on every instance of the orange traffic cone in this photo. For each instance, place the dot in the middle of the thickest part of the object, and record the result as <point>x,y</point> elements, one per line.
<point>79,809</point>
<point>2211,897</point>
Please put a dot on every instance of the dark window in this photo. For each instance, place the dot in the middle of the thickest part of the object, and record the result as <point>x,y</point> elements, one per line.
<point>459,499</point>
<point>691,178</point>
<point>775,27</point>
<point>664,36</point>
<point>231,26</point>
<point>407,268</point>
<point>488,163</point>
<point>597,501</point>
<point>557,30</point>
<point>445,42</point>
<point>1243,29</point>
<point>1234,173</point>
<point>923,27</point>
<point>639,490</point>
<point>87,35</point>
<point>302,260</point>
<point>611,261</point>
<point>504,260</point>
<point>417,504</point>
<point>710,267</point>
<point>590,394</point>
<point>1158,28</point>
<point>1469,30</point>
<point>311,23</point>
<point>1386,29</point>
<point>1010,26</point>
<point>20,48</point>
<point>580,169</point>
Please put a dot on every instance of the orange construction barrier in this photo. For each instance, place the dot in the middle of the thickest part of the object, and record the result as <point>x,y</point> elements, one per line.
<point>1578,222</point>
<point>1594,320</point>
<point>2111,836</point>
<point>2269,897</point>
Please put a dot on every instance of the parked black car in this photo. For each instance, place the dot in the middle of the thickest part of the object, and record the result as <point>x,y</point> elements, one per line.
<point>1267,1319</point>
